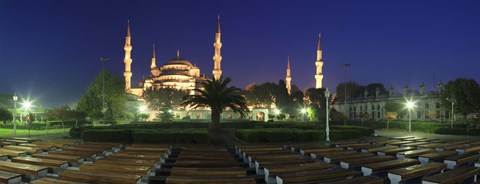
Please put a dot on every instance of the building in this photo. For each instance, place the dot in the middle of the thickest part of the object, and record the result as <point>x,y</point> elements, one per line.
<point>176,73</point>
<point>372,106</point>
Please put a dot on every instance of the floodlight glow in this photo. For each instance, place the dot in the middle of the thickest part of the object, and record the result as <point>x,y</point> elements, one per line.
<point>27,105</point>
<point>277,112</point>
<point>303,111</point>
<point>142,108</point>
<point>410,104</point>
<point>170,111</point>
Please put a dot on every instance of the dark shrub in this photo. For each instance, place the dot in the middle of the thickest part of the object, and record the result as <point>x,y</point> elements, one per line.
<point>474,132</point>
<point>189,136</point>
<point>107,135</point>
<point>451,131</point>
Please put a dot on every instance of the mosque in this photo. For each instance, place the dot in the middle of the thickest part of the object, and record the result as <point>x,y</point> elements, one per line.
<point>181,74</point>
<point>176,73</point>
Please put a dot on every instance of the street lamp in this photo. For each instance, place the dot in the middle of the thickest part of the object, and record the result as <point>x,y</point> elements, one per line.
<point>345,65</point>
<point>142,109</point>
<point>15,98</point>
<point>303,111</point>
<point>453,103</point>
<point>410,104</point>
<point>103,60</point>
<point>327,128</point>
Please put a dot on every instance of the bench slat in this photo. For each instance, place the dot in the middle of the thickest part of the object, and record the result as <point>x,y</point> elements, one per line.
<point>453,176</point>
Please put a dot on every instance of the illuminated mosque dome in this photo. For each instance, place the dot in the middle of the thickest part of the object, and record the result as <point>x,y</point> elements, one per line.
<point>177,73</point>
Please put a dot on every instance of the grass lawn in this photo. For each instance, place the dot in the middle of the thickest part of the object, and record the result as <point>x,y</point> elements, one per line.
<point>7,132</point>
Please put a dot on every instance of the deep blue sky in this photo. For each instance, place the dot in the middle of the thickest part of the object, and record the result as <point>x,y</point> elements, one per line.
<point>49,49</point>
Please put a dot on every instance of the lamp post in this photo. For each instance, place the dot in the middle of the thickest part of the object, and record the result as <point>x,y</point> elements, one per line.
<point>327,128</point>
<point>345,65</point>
<point>453,114</point>
<point>410,105</point>
<point>303,111</point>
<point>15,98</point>
<point>103,60</point>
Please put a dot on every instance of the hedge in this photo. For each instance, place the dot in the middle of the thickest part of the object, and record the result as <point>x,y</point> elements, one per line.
<point>428,127</point>
<point>189,136</point>
<point>300,135</point>
<point>279,135</point>
<point>474,132</point>
<point>451,131</point>
<point>107,135</point>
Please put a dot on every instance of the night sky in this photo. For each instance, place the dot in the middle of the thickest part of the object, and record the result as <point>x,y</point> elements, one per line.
<point>50,49</point>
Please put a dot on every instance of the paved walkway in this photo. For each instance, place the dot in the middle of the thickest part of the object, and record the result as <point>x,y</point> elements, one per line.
<point>399,133</point>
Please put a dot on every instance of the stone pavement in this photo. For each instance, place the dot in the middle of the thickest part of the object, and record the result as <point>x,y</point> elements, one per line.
<point>399,133</point>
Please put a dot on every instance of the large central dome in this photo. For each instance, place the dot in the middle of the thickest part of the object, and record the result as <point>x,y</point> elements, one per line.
<point>178,61</point>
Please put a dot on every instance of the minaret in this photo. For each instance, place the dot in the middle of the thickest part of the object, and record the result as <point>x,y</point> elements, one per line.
<point>319,66</point>
<point>128,60</point>
<point>217,57</point>
<point>288,79</point>
<point>153,65</point>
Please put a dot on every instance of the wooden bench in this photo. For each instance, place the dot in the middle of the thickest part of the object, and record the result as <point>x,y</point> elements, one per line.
<point>46,147</point>
<point>359,148</point>
<point>126,162</point>
<point>415,171</point>
<point>456,175</point>
<point>315,176</point>
<point>47,180</point>
<point>451,147</point>
<point>10,177</point>
<point>321,155</point>
<point>268,163</point>
<point>282,168</point>
<point>435,156</point>
<point>468,149</point>
<point>30,170</point>
<point>415,144</point>
<point>359,162</point>
<point>204,163</point>
<point>16,141</point>
<point>368,169</point>
<point>122,155</point>
<point>12,153</point>
<point>320,150</point>
<point>377,149</point>
<point>24,148</point>
<point>398,143</point>
<point>95,177</point>
<point>337,157</point>
<point>54,164</point>
<point>115,169</point>
<point>395,151</point>
<point>360,180</point>
<point>353,144</point>
<point>73,160</point>
<point>208,180</point>
<point>414,153</point>
<point>158,150</point>
<point>402,137</point>
<point>209,171</point>
<point>455,160</point>
<point>416,139</point>
<point>433,145</point>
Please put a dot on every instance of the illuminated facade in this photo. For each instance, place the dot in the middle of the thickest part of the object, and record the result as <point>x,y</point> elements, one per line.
<point>176,73</point>
<point>288,78</point>
<point>319,66</point>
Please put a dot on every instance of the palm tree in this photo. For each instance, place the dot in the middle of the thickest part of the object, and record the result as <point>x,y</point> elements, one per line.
<point>217,96</point>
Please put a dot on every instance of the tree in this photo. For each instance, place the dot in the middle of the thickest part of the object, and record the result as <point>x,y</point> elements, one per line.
<point>115,97</point>
<point>217,96</point>
<point>354,90</point>
<point>316,100</point>
<point>5,114</point>
<point>164,100</point>
<point>372,88</point>
<point>465,93</point>
<point>392,111</point>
